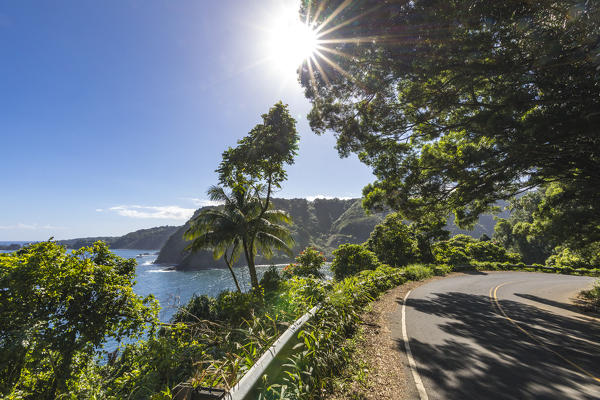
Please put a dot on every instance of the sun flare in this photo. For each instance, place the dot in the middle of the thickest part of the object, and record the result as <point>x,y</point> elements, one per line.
<point>290,41</point>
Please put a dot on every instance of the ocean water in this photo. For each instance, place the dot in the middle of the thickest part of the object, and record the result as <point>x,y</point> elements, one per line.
<point>175,288</point>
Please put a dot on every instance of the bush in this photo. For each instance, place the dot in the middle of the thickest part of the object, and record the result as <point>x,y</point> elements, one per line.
<point>349,259</point>
<point>442,269</point>
<point>236,306</point>
<point>393,243</point>
<point>271,280</point>
<point>417,272</point>
<point>228,306</point>
<point>302,293</point>
<point>198,308</point>
<point>308,264</point>
<point>593,296</point>
<point>586,257</point>
<point>465,250</point>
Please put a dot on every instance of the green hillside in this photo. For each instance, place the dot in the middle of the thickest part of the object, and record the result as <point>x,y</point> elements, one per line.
<point>143,239</point>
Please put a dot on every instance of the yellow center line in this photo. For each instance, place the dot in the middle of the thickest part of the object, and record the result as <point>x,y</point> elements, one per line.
<point>494,299</point>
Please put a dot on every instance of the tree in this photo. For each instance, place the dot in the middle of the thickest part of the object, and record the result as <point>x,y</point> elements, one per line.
<point>308,263</point>
<point>393,243</point>
<point>516,234</point>
<point>461,103</point>
<point>348,259</point>
<point>255,167</point>
<point>428,230</point>
<point>239,226</point>
<point>57,308</point>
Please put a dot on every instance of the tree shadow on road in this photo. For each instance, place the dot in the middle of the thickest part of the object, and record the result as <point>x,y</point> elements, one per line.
<point>486,357</point>
<point>570,307</point>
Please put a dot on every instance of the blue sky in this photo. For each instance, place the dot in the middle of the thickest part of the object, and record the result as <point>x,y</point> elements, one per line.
<point>114,114</point>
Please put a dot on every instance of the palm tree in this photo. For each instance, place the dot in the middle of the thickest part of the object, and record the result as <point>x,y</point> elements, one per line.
<point>240,225</point>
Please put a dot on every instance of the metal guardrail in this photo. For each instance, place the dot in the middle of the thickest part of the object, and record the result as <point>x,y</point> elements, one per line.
<point>241,389</point>
<point>245,385</point>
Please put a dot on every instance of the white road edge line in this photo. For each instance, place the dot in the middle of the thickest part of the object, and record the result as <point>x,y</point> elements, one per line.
<point>411,360</point>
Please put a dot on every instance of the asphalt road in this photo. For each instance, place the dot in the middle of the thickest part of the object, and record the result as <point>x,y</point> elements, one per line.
<point>504,335</point>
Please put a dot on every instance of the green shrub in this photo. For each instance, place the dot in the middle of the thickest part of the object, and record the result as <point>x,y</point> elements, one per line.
<point>236,306</point>
<point>465,250</point>
<point>442,269</point>
<point>417,272</point>
<point>271,280</point>
<point>302,293</point>
<point>308,264</point>
<point>349,259</point>
<point>586,257</point>
<point>593,296</point>
<point>393,243</point>
<point>198,308</point>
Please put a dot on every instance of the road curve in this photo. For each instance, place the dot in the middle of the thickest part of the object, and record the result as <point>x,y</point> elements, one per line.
<point>501,335</point>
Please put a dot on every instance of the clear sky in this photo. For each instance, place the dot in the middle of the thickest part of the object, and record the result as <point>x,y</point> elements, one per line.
<point>114,114</point>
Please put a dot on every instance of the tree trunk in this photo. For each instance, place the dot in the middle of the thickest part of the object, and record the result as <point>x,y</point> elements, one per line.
<point>251,267</point>
<point>229,265</point>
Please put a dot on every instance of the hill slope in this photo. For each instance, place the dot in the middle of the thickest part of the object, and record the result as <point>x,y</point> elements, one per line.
<point>143,239</point>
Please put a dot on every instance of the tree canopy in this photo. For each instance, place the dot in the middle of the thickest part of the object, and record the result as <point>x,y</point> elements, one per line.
<point>56,308</point>
<point>461,103</point>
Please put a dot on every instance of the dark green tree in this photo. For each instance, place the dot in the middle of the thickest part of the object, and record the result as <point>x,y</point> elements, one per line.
<point>57,308</point>
<point>349,259</point>
<point>393,242</point>
<point>516,232</point>
<point>461,103</point>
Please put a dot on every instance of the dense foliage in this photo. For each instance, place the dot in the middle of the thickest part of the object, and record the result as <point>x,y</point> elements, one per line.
<point>57,308</point>
<point>565,257</point>
<point>349,259</point>
<point>516,234</point>
<point>464,250</point>
<point>308,263</point>
<point>323,350</point>
<point>593,296</point>
<point>393,242</point>
<point>499,97</point>
<point>536,230</point>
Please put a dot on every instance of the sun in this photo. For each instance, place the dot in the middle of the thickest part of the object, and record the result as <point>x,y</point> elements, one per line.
<point>289,41</point>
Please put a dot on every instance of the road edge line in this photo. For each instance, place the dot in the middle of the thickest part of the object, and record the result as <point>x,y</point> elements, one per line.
<point>411,361</point>
<point>538,341</point>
